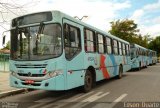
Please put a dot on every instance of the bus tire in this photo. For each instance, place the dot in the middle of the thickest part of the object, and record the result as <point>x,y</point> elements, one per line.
<point>146,65</point>
<point>120,72</point>
<point>139,68</point>
<point>88,82</point>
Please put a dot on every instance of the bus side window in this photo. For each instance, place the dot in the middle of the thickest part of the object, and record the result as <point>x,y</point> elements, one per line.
<point>66,35</point>
<point>108,43</point>
<point>115,47</point>
<point>72,41</point>
<point>137,52</point>
<point>140,51</point>
<point>120,48</point>
<point>127,50</point>
<point>100,43</point>
<point>124,49</point>
<point>90,41</point>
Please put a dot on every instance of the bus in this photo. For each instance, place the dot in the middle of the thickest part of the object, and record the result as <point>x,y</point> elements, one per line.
<point>152,56</point>
<point>54,51</point>
<point>139,56</point>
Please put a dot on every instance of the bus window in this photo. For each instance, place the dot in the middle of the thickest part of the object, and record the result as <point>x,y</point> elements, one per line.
<point>100,44</point>
<point>115,47</point>
<point>120,48</point>
<point>137,53</point>
<point>124,49</point>
<point>72,41</point>
<point>127,49</point>
<point>109,48</point>
<point>90,41</point>
<point>140,53</point>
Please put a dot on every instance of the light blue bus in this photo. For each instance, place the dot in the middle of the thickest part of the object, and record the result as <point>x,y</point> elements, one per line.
<point>152,56</point>
<point>139,56</point>
<point>53,51</point>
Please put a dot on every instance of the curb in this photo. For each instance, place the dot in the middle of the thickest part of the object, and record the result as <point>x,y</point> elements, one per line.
<point>13,92</point>
<point>4,71</point>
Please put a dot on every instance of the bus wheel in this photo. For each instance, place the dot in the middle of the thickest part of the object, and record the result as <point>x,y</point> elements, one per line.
<point>146,64</point>
<point>139,68</point>
<point>120,72</point>
<point>88,82</point>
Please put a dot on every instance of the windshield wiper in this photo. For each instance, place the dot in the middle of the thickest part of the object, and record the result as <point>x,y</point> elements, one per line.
<point>41,26</point>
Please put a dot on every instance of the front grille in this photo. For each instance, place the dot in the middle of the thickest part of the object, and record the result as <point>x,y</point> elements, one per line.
<point>31,75</point>
<point>31,84</point>
<point>31,66</point>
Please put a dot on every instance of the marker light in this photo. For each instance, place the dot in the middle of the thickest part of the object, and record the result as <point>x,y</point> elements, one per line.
<point>13,73</point>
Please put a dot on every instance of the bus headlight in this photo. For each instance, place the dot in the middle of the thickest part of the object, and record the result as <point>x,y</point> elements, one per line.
<point>13,73</point>
<point>55,73</point>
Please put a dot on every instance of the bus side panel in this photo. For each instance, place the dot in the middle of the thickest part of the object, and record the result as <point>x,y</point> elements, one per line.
<point>93,60</point>
<point>111,63</point>
<point>135,64</point>
<point>75,79</point>
<point>75,71</point>
<point>108,67</point>
<point>126,63</point>
<point>115,62</point>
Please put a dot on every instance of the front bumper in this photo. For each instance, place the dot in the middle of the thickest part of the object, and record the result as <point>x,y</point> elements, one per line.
<point>47,84</point>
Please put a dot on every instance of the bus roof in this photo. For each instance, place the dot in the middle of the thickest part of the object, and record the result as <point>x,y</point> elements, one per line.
<point>91,27</point>
<point>138,46</point>
<point>63,15</point>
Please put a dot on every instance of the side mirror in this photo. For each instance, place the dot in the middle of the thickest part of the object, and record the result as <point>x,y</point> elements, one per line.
<point>4,37</point>
<point>4,40</point>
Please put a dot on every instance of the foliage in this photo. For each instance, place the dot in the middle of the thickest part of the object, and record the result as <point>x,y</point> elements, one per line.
<point>127,30</point>
<point>155,45</point>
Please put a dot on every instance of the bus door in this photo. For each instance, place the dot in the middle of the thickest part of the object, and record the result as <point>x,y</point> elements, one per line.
<point>73,53</point>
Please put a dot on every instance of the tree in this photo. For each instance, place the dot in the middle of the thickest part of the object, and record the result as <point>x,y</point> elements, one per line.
<point>127,30</point>
<point>155,45</point>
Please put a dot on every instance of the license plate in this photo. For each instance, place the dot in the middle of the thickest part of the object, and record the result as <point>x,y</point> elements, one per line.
<point>29,81</point>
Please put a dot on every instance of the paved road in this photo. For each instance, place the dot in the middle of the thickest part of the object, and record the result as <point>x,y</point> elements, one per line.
<point>135,86</point>
<point>4,82</point>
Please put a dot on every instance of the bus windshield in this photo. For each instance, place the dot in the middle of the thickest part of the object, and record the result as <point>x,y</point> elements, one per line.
<point>132,55</point>
<point>29,44</point>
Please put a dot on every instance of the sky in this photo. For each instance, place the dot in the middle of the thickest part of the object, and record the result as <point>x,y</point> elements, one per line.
<point>145,13</point>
